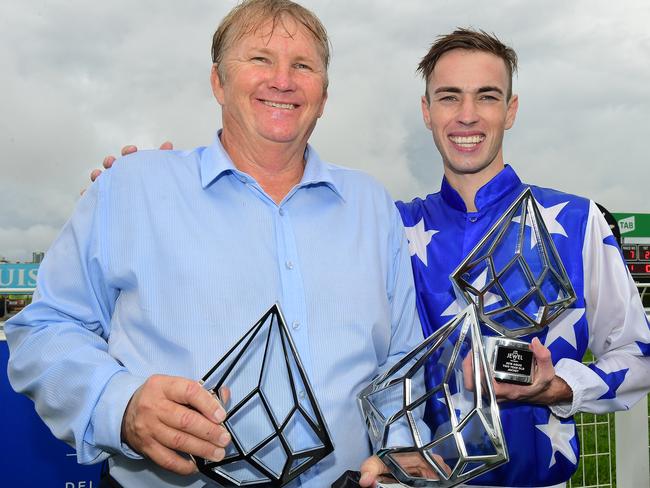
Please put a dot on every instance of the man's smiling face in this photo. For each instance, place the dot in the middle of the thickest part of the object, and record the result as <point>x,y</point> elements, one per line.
<point>467,110</point>
<point>274,85</point>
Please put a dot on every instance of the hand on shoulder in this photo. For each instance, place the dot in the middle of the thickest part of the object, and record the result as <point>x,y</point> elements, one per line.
<point>128,149</point>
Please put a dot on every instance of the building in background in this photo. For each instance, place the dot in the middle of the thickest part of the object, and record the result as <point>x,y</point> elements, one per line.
<point>17,283</point>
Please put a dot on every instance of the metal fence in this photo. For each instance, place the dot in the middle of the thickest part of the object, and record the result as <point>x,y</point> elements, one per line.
<point>601,436</point>
<point>597,467</point>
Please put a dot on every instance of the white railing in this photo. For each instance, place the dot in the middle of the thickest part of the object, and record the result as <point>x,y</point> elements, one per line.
<point>644,291</point>
<point>632,443</point>
<point>632,460</point>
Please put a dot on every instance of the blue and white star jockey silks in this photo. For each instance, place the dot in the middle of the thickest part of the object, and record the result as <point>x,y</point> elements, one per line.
<point>419,239</point>
<point>561,435</point>
<point>607,318</point>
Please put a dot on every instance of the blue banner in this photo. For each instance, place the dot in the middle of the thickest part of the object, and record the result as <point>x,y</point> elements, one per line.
<point>31,456</point>
<point>18,276</point>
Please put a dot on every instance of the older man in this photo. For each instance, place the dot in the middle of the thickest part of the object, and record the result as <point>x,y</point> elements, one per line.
<point>170,257</point>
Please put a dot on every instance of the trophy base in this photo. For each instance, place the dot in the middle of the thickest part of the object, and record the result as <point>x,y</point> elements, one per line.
<point>512,360</point>
<point>350,479</point>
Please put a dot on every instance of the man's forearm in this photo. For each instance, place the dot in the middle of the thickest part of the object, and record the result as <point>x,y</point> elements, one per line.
<point>558,391</point>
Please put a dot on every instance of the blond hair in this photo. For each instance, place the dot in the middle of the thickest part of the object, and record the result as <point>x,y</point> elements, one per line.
<point>246,17</point>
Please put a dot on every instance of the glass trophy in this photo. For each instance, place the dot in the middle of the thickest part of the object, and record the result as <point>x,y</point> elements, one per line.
<point>517,281</point>
<point>276,425</point>
<point>433,418</point>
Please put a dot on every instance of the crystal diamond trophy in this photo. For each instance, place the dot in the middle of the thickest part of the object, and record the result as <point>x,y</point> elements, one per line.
<point>517,280</point>
<point>433,418</point>
<point>276,425</point>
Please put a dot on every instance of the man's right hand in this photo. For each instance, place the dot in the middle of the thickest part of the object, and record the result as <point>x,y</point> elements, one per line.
<point>413,464</point>
<point>546,389</point>
<point>168,414</point>
<point>109,160</point>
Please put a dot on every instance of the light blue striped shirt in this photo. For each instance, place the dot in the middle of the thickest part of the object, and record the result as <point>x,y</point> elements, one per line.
<point>172,255</point>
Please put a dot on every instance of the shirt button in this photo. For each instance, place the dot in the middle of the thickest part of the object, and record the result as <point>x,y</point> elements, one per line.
<point>289,264</point>
<point>281,212</point>
<point>473,219</point>
<point>295,325</point>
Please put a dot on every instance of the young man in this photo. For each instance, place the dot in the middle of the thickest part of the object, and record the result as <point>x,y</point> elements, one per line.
<point>468,105</point>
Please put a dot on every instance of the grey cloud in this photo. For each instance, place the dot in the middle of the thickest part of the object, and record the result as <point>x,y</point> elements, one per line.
<point>80,79</point>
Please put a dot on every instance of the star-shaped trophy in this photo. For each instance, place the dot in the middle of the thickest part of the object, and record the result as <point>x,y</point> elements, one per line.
<point>276,425</point>
<point>526,286</point>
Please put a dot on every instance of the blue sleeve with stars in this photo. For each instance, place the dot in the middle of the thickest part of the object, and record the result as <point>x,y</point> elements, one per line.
<point>607,317</point>
<point>619,335</point>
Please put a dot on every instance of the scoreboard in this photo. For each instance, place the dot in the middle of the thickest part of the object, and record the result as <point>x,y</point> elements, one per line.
<point>635,243</point>
<point>637,258</point>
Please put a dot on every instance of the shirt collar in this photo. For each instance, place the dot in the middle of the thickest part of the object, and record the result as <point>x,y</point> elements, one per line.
<point>494,190</point>
<point>215,162</point>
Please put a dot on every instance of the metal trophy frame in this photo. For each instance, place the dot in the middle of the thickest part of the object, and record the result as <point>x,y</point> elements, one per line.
<point>531,286</point>
<point>265,451</point>
<point>393,405</point>
<point>514,291</point>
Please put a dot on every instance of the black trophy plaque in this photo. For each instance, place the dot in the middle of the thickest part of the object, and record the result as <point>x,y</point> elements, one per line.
<point>512,360</point>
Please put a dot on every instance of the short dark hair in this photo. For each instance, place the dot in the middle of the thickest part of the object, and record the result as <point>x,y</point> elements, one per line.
<point>470,40</point>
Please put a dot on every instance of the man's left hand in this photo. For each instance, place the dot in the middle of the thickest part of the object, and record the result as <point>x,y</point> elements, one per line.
<point>546,389</point>
<point>129,149</point>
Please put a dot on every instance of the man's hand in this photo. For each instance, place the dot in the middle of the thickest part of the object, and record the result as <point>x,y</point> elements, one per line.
<point>168,414</point>
<point>109,160</point>
<point>371,469</point>
<point>546,389</point>
<point>413,464</point>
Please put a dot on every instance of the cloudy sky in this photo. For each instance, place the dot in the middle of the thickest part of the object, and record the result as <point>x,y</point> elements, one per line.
<point>80,79</point>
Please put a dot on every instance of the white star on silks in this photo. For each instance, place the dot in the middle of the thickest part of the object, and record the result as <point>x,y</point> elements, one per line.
<point>563,327</point>
<point>419,239</point>
<point>459,305</point>
<point>550,220</point>
<point>560,436</point>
